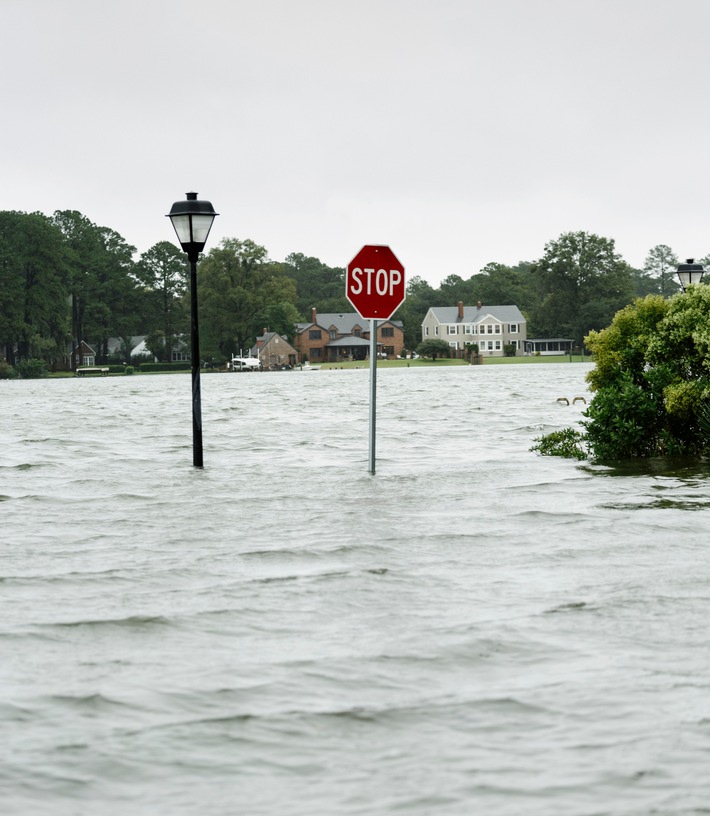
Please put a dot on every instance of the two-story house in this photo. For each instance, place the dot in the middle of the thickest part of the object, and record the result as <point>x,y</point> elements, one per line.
<point>332,337</point>
<point>491,327</point>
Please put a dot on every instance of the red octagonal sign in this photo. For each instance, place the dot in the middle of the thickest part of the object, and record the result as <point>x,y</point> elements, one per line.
<point>374,282</point>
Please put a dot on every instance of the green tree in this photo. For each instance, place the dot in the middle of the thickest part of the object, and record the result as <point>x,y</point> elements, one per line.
<point>660,266</point>
<point>420,297</point>
<point>434,348</point>
<point>582,282</point>
<point>33,291</point>
<point>236,282</point>
<point>278,317</point>
<point>115,305</point>
<point>317,285</point>
<point>103,289</point>
<point>506,285</point>
<point>163,271</point>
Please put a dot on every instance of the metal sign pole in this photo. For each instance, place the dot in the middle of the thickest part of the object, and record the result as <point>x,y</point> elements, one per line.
<point>373,393</point>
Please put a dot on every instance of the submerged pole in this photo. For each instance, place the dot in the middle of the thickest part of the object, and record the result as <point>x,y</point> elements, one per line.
<point>373,394</point>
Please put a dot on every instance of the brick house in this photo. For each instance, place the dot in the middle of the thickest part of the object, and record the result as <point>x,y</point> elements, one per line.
<point>331,337</point>
<point>274,351</point>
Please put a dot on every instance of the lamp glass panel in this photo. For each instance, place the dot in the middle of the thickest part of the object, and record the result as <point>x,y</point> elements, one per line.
<point>201,225</point>
<point>696,276</point>
<point>181,223</point>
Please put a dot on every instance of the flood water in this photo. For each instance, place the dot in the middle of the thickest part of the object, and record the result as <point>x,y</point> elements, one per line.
<point>475,629</point>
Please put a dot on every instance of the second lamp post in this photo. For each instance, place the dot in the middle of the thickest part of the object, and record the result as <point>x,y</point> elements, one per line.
<point>192,220</point>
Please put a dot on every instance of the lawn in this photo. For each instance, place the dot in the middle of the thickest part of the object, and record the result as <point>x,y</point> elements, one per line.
<point>445,362</point>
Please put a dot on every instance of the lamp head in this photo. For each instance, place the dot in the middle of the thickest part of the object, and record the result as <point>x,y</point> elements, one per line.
<point>192,221</point>
<point>690,273</point>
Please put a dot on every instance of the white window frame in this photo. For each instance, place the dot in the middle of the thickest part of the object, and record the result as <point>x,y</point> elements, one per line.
<point>513,328</point>
<point>453,329</point>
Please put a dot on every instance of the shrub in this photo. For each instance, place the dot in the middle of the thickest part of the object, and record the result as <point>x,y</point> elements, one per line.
<point>651,379</point>
<point>128,370</point>
<point>7,372</point>
<point>32,369</point>
<point>147,368</point>
<point>568,443</point>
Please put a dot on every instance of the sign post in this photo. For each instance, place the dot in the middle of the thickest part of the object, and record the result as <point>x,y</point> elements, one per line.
<point>374,284</point>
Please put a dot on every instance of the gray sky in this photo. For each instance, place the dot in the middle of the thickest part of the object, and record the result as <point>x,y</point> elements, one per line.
<point>459,132</point>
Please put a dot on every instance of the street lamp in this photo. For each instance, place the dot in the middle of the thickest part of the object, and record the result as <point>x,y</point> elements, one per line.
<point>690,273</point>
<point>192,220</point>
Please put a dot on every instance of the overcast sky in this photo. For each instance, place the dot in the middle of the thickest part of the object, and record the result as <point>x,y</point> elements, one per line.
<point>459,132</point>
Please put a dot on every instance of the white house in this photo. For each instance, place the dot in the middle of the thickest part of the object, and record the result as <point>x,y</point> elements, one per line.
<point>491,327</point>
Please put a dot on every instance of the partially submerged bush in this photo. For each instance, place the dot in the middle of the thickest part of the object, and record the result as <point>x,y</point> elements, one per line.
<point>651,382</point>
<point>568,443</point>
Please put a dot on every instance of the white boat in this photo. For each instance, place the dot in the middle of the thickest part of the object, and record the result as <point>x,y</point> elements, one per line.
<point>246,364</point>
<point>308,367</point>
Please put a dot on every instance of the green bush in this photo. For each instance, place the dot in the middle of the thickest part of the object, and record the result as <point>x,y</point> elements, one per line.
<point>7,372</point>
<point>148,368</point>
<point>568,443</point>
<point>128,370</point>
<point>32,369</point>
<point>651,379</point>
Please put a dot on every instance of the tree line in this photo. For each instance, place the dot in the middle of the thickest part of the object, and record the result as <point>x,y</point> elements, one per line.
<point>64,280</point>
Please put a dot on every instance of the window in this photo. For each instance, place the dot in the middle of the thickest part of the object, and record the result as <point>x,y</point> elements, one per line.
<point>436,330</point>
<point>357,332</point>
<point>497,345</point>
<point>453,329</point>
<point>490,328</point>
<point>426,331</point>
<point>454,344</point>
<point>333,334</point>
<point>314,334</point>
<point>497,328</point>
<point>513,328</point>
<point>490,345</point>
<point>387,332</point>
<point>467,330</point>
<point>316,352</point>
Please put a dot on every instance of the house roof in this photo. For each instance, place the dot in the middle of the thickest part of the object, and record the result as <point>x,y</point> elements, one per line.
<point>349,341</point>
<point>263,341</point>
<point>472,314</point>
<point>344,323</point>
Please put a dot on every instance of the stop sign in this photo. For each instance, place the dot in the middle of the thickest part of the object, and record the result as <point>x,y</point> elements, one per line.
<point>374,282</point>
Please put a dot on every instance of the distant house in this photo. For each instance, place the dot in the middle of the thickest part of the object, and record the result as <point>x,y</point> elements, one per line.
<point>331,337</point>
<point>83,355</point>
<point>274,351</point>
<point>491,327</point>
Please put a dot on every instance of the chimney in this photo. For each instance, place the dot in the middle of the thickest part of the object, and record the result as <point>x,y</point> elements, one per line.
<point>313,315</point>
<point>460,310</point>
<point>478,304</point>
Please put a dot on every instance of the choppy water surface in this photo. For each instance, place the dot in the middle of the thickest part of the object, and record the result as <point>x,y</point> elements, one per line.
<point>475,629</point>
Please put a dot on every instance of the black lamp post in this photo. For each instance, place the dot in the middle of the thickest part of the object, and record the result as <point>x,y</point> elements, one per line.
<point>690,273</point>
<point>192,220</point>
